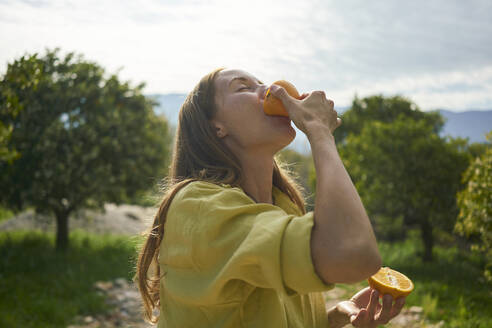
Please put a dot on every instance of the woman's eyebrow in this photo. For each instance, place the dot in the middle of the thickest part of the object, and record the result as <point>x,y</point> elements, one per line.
<point>242,79</point>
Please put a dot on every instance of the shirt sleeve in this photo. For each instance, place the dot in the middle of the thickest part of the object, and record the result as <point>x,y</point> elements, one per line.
<point>220,239</point>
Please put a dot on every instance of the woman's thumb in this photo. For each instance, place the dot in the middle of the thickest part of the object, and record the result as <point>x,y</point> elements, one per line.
<point>281,94</point>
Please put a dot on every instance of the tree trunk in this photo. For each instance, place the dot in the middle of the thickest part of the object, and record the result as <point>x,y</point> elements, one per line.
<point>62,230</point>
<point>427,239</point>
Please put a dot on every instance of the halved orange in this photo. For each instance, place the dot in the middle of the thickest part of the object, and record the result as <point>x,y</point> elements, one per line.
<point>389,281</point>
<point>274,106</point>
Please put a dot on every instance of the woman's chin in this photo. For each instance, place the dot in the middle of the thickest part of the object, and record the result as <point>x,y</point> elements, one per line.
<point>289,136</point>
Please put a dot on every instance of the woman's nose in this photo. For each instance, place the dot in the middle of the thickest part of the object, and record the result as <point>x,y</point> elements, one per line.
<point>263,89</point>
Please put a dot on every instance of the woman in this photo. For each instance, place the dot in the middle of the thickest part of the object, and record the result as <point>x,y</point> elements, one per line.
<point>232,244</point>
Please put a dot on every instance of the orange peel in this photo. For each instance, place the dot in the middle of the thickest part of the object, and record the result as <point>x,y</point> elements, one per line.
<point>389,281</point>
<point>274,106</point>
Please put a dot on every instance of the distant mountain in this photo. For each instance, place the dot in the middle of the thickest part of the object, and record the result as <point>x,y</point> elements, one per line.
<point>169,105</point>
<point>472,124</point>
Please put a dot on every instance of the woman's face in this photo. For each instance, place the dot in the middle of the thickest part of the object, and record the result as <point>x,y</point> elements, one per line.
<point>240,121</point>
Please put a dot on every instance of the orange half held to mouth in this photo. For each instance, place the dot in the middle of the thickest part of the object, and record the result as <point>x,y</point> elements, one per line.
<point>274,106</point>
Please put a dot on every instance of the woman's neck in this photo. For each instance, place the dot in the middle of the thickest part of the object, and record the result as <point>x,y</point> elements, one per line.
<point>258,178</point>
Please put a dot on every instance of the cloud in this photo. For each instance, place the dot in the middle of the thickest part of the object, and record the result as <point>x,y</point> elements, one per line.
<point>437,52</point>
<point>453,90</point>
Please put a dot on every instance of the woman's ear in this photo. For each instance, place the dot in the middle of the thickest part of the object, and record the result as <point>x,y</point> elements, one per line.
<point>219,129</point>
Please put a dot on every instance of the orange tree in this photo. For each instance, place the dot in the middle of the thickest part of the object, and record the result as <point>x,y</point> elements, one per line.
<point>385,110</point>
<point>475,203</point>
<point>82,137</point>
<point>407,175</point>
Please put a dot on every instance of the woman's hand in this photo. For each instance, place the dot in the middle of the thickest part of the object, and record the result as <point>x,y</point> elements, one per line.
<point>311,112</point>
<point>364,309</point>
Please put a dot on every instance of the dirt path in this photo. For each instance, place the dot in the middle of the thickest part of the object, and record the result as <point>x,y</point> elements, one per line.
<point>125,299</point>
<point>122,219</point>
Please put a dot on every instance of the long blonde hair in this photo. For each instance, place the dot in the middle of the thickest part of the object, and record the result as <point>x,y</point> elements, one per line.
<point>197,155</point>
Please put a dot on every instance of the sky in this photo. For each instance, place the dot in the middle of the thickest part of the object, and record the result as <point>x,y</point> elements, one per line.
<point>438,54</point>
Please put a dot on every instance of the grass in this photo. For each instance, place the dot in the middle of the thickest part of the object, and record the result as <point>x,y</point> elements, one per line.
<point>42,288</point>
<point>451,288</point>
<point>5,214</point>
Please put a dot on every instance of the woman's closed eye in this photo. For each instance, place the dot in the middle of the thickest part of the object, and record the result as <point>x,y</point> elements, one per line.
<point>243,88</point>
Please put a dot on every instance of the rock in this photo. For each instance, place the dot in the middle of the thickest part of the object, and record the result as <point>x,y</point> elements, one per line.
<point>440,324</point>
<point>132,216</point>
<point>88,319</point>
<point>121,282</point>
<point>103,285</point>
<point>125,300</point>
<point>416,310</point>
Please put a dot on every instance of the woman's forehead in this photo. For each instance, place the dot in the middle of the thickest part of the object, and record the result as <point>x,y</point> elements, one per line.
<point>226,76</point>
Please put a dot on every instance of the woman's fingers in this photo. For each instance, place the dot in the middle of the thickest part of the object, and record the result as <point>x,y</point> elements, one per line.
<point>372,313</point>
<point>282,94</point>
<point>397,307</point>
<point>362,297</point>
<point>359,319</point>
<point>304,95</point>
<point>373,304</point>
<point>385,314</point>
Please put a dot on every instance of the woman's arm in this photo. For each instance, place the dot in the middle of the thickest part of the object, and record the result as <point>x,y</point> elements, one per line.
<point>343,244</point>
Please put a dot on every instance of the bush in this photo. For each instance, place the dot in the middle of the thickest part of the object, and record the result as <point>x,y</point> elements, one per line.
<point>5,214</point>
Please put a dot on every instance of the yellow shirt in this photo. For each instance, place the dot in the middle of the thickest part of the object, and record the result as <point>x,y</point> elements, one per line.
<point>231,262</point>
